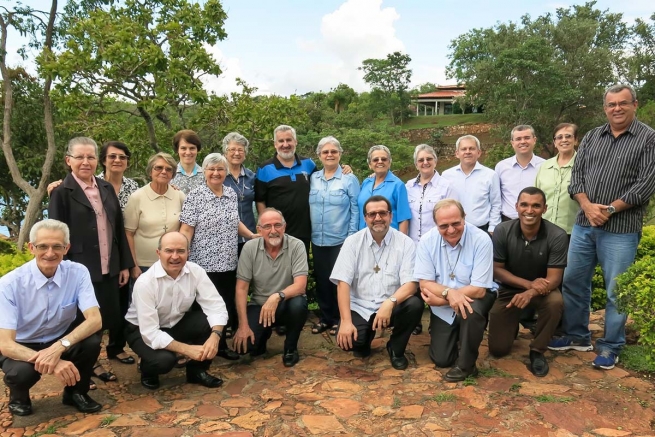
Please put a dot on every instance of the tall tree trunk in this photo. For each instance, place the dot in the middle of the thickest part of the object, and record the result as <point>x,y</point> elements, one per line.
<point>151,128</point>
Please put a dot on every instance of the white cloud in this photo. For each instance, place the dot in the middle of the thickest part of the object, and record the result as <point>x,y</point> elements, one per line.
<point>231,67</point>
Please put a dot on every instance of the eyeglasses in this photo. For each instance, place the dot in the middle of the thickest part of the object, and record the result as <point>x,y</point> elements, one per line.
<point>561,137</point>
<point>329,152</point>
<point>215,170</point>
<point>268,227</point>
<point>526,138</point>
<point>371,215</point>
<point>114,157</point>
<point>168,251</point>
<point>454,225</point>
<point>82,158</point>
<point>235,150</point>
<point>163,168</point>
<point>379,159</point>
<point>624,104</point>
<point>45,247</point>
<point>422,160</point>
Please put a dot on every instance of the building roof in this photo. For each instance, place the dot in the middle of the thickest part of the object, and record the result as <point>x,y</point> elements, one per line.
<point>442,94</point>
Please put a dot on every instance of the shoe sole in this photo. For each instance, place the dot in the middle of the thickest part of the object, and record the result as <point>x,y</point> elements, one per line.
<point>574,348</point>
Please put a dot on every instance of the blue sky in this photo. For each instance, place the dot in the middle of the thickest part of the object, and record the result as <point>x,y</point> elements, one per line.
<point>296,46</point>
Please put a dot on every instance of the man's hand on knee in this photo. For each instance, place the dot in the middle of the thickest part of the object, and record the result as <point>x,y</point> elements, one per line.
<point>522,300</point>
<point>347,334</point>
<point>67,373</point>
<point>241,338</point>
<point>194,352</point>
<point>47,359</point>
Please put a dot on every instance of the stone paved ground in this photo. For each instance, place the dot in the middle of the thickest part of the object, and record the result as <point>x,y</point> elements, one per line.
<point>331,393</point>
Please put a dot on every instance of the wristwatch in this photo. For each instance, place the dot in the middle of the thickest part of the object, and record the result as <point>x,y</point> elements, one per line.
<point>217,332</point>
<point>281,294</point>
<point>611,210</point>
<point>393,300</point>
<point>65,343</point>
<point>444,293</point>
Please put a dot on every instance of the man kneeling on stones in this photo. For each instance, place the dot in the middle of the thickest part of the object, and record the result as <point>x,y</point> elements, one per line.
<point>454,266</point>
<point>161,322</point>
<point>38,332</point>
<point>375,285</point>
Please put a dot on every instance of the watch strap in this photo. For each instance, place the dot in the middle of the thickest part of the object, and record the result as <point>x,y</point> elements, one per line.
<point>217,332</point>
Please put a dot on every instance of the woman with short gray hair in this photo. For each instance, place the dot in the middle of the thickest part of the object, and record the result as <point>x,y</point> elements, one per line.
<point>210,221</point>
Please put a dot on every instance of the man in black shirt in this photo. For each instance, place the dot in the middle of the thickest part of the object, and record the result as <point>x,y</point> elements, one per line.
<point>529,261</point>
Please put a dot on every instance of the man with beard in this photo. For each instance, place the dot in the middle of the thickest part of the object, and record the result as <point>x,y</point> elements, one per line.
<point>276,266</point>
<point>375,285</point>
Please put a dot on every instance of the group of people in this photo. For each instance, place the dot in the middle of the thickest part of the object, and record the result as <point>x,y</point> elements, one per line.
<point>481,247</point>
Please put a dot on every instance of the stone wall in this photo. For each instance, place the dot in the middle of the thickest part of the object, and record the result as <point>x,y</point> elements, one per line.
<point>425,134</point>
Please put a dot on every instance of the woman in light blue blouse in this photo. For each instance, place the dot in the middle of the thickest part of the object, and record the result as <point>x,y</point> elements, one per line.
<point>334,215</point>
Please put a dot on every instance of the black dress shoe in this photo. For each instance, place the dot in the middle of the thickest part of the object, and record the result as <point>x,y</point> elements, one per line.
<point>397,362</point>
<point>290,358</point>
<point>538,364</point>
<point>457,374</point>
<point>126,360</point>
<point>83,402</point>
<point>228,354</point>
<point>203,378</point>
<point>150,381</point>
<point>19,407</point>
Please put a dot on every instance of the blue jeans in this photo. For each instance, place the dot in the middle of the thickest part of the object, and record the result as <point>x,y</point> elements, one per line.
<point>615,253</point>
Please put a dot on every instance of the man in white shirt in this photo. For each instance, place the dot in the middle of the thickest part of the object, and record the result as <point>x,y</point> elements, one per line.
<point>160,320</point>
<point>375,285</point>
<point>477,186</point>
<point>519,171</point>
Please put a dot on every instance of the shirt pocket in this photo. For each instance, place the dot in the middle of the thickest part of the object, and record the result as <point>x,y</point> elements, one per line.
<point>338,197</point>
<point>67,313</point>
<point>463,274</point>
<point>313,196</point>
<point>391,279</point>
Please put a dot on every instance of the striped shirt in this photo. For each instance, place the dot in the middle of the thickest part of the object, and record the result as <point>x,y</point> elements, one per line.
<point>608,168</point>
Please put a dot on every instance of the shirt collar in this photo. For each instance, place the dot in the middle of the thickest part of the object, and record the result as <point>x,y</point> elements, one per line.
<point>541,233</point>
<point>477,166</point>
<point>152,195</point>
<point>632,129</point>
<point>370,241</point>
<point>279,165</point>
<point>160,272</point>
<point>83,184</point>
<point>285,243</point>
<point>39,278</point>
<point>196,169</point>
<point>552,163</point>
<point>532,160</point>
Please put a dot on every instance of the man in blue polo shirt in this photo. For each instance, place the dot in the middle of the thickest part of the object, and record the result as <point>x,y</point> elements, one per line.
<point>38,307</point>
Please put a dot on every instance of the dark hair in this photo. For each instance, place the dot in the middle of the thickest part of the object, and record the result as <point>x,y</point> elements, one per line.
<point>561,126</point>
<point>531,191</point>
<point>116,144</point>
<point>187,135</point>
<point>377,198</point>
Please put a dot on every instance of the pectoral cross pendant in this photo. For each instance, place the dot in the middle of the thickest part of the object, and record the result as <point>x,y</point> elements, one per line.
<point>376,268</point>
<point>242,197</point>
<point>165,229</point>
<point>452,276</point>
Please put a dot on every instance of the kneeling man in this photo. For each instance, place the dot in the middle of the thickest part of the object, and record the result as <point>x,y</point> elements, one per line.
<point>529,261</point>
<point>276,266</point>
<point>161,322</point>
<point>375,285</point>
<point>454,266</point>
<point>38,308</point>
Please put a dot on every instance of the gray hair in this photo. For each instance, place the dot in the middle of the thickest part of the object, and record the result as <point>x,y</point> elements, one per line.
<point>161,155</point>
<point>467,137</point>
<point>446,203</point>
<point>50,225</point>
<point>328,140</point>
<point>77,141</point>
<point>522,127</point>
<point>271,209</point>
<point>284,128</point>
<point>214,158</point>
<point>424,148</point>
<point>375,148</point>
<point>618,88</point>
<point>188,245</point>
<point>235,137</point>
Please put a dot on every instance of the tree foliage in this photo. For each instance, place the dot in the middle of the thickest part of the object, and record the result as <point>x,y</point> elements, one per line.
<point>642,61</point>
<point>543,71</point>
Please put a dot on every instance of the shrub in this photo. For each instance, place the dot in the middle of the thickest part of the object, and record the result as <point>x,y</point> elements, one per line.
<point>598,292</point>
<point>10,261</point>
<point>636,297</point>
<point>7,246</point>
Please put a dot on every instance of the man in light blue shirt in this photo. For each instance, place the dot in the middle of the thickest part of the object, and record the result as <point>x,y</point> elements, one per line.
<point>375,285</point>
<point>477,186</point>
<point>38,333</point>
<point>454,267</point>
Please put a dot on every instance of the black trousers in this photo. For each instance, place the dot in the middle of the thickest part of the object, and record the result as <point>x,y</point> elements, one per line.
<point>404,319</point>
<point>192,329</point>
<point>226,283</point>
<point>468,332</point>
<point>326,292</point>
<point>20,376</point>
<point>290,313</point>
<point>117,342</point>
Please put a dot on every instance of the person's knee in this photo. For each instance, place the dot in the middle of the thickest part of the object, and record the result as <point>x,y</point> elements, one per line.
<point>296,308</point>
<point>415,305</point>
<point>21,374</point>
<point>163,362</point>
<point>499,348</point>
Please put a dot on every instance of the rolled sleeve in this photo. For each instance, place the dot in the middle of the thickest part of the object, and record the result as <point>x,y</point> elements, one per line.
<point>144,301</point>
<point>210,301</point>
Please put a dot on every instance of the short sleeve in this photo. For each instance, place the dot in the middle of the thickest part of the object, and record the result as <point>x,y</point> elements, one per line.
<point>8,309</point>
<point>344,267</point>
<point>246,261</point>
<point>558,250</point>
<point>131,213</point>
<point>409,257</point>
<point>298,254</point>
<point>190,213</point>
<point>86,297</point>
<point>425,268</point>
<point>402,208</point>
<point>500,244</point>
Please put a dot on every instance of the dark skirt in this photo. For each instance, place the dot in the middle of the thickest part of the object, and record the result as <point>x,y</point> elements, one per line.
<point>107,294</point>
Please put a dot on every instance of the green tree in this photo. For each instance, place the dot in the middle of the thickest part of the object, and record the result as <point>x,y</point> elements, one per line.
<point>389,79</point>
<point>544,71</point>
<point>424,88</point>
<point>148,52</point>
<point>642,61</point>
<point>340,97</point>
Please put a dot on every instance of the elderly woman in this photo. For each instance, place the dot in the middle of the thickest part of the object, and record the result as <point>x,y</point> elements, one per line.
<point>334,216</point>
<point>210,221</point>
<point>188,174</point>
<point>554,178</point>
<point>241,180</point>
<point>151,211</point>
<point>425,191</point>
<point>384,183</point>
<point>90,208</point>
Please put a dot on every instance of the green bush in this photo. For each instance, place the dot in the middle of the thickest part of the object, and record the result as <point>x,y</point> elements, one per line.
<point>10,261</point>
<point>636,297</point>
<point>598,292</point>
<point>7,246</point>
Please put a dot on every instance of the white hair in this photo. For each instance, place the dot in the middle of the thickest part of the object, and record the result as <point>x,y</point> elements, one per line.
<point>50,225</point>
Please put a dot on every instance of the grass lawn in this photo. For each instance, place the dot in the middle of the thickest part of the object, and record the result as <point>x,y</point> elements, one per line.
<point>421,122</point>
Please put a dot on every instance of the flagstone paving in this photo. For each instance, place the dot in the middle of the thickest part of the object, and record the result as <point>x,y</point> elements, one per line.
<point>331,393</point>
